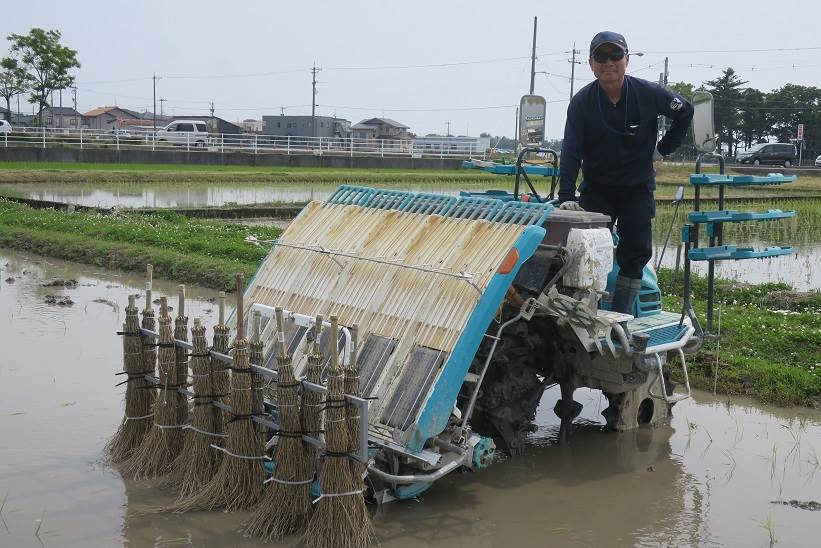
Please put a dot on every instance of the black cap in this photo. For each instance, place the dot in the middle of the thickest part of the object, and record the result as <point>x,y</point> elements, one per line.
<point>608,37</point>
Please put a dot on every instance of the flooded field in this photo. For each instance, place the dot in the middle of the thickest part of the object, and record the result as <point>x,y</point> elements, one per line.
<point>712,478</point>
<point>190,194</point>
<point>799,269</point>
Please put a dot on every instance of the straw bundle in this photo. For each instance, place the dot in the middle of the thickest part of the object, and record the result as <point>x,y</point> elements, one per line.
<point>313,401</point>
<point>358,470</point>
<point>162,444</point>
<point>338,520</point>
<point>255,350</point>
<point>198,461</point>
<point>136,422</point>
<point>149,348</point>
<point>220,379</point>
<point>181,360</point>
<point>238,483</point>
<point>286,504</point>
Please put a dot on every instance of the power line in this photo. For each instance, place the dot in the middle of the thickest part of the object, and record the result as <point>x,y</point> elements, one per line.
<point>224,76</point>
<point>754,68</point>
<point>662,52</point>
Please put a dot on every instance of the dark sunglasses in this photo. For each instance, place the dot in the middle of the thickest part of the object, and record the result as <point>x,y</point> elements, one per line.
<point>614,55</point>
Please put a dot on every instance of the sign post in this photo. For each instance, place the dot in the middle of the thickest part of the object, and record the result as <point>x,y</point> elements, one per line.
<point>800,142</point>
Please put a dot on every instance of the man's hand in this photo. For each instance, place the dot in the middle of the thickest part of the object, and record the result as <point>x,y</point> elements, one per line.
<point>571,205</point>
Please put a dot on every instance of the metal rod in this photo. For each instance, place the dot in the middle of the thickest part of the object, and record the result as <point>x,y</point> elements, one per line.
<point>419,478</point>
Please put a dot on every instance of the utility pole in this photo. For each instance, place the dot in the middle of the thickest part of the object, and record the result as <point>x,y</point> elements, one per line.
<point>314,70</point>
<point>154,78</point>
<point>573,64</point>
<point>282,111</point>
<point>213,126</point>
<point>516,130</point>
<point>533,57</point>
<point>448,133</point>
<point>74,94</point>
<point>61,108</point>
<point>162,100</point>
<point>665,72</point>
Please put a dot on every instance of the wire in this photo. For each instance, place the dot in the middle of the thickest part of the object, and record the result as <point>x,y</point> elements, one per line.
<point>812,48</point>
<point>224,76</point>
<point>433,65</point>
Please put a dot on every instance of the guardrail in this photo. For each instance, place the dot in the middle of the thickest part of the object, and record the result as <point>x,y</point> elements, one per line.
<point>430,147</point>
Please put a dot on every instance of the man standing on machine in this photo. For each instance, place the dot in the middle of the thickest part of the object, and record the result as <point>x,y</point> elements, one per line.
<point>611,133</point>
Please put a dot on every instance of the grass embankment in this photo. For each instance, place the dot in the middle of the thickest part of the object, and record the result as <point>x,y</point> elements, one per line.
<point>669,176</point>
<point>770,344</point>
<point>188,251</point>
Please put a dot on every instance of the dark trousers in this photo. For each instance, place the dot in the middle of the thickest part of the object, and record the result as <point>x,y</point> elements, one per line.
<point>634,209</point>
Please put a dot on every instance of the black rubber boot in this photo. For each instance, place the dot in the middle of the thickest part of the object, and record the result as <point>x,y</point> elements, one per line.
<point>624,296</point>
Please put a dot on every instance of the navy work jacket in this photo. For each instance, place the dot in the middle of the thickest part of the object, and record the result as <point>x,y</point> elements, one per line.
<point>614,144</point>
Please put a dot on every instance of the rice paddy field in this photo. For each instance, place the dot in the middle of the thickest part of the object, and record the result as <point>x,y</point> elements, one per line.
<point>209,252</point>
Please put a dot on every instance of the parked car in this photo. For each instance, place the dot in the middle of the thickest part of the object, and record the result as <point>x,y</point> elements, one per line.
<point>5,126</point>
<point>818,161</point>
<point>184,132</point>
<point>783,154</point>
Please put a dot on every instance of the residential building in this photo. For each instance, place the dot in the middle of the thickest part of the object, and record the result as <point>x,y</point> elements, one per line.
<point>249,125</point>
<point>108,118</point>
<point>18,119</point>
<point>61,117</point>
<point>5,114</point>
<point>301,126</point>
<point>380,128</point>
<point>452,144</point>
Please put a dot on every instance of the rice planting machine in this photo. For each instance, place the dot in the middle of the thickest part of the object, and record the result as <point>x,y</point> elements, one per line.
<point>467,309</point>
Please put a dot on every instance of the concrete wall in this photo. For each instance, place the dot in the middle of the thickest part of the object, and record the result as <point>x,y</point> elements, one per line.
<point>32,154</point>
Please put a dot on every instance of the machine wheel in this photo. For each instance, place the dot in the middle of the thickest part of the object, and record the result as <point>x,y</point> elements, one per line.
<point>787,163</point>
<point>756,162</point>
<point>630,410</point>
<point>512,388</point>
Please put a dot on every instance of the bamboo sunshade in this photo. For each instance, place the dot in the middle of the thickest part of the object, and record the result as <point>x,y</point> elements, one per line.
<point>385,270</point>
<point>410,278</point>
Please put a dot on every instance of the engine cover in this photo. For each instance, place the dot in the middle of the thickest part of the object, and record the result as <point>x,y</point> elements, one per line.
<point>591,258</point>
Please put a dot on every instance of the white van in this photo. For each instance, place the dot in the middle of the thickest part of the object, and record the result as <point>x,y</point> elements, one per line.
<point>184,132</point>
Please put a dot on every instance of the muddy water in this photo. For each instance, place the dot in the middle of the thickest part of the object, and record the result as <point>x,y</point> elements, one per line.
<point>799,269</point>
<point>707,479</point>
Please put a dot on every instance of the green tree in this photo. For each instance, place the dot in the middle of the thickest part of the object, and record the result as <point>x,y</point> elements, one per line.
<point>726,90</point>
<point>687,150</point>
<point>13,80</point>
<point>794,104</point>
<point>753,123</point>
<point>47,63</point>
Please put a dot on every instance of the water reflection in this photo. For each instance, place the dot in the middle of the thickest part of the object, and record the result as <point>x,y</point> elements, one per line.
<point>191,194</point>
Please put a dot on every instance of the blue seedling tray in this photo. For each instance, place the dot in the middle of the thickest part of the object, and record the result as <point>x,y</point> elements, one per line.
<point>715,179</point>
<point>733,216</point>
<point>544,171</point>
<point>735,253</point>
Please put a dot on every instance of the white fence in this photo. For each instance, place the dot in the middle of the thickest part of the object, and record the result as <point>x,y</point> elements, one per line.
<point>243,142</point>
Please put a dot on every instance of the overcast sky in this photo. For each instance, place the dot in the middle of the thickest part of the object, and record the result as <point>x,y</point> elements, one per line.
<point>253,57</point>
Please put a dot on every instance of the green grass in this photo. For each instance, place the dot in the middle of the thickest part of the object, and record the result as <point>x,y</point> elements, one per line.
<point>770,340</point>
<point>804,228</point>
<point>669,176</point>
<point>207,253</point>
